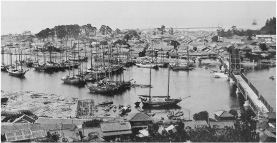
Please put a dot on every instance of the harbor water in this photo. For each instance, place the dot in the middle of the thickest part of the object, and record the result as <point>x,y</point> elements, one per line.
<point>206,92</point>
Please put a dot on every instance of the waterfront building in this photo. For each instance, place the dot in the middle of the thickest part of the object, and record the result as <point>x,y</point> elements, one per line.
<point>21,132</point>
<point>139,120</point>
<point>77,122</point>
<point>223,115</point>
<point>115,128</point>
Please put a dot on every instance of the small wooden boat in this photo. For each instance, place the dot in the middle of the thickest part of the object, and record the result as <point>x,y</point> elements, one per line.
<point>170,115</point>
<point>179,114</point>
<point>137,104</point>
<point>124,110</point>
<point>182,66</point>
<point>271,77</point>
<point>120,106</point>
<point>17,73</point>
<point>73,80</point>
<point>106,103</point>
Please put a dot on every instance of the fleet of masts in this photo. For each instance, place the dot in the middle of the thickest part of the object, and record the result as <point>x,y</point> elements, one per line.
<point>98,77</point>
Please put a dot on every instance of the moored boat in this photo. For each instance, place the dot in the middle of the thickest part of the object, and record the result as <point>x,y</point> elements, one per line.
<point>147,65</point>
<point>16,72</point>
<point>73,79</point>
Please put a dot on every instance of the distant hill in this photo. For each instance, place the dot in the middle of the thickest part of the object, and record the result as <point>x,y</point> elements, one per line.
<point>270,27</point>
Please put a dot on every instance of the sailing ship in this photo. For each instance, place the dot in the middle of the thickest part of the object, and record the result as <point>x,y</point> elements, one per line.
<point>3,66</point>
<point>74,79</point>
<point>40,66</point>
<point>155,101</point>
<point>79,58</point>
<point>183,66</point>
<point>108,86</point>
<point>17,72</point>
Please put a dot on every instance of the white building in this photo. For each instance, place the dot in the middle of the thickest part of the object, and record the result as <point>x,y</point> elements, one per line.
<point>267,38</point>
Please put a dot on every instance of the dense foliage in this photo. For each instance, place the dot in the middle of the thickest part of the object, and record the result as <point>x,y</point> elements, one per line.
<point>203,115</point>
<point>270,26</point>
<point>62,31</point>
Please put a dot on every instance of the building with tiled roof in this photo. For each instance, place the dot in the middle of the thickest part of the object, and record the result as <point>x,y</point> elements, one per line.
<point>223,115</point>
<point>140,120</point>
<point>22,132</point>
<point>24,119</point>
<point>76,122</point>
<point>115,128</point>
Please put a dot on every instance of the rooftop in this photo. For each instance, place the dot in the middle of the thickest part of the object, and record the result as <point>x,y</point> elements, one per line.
<point>77,122</point>
<point>25,118</point>
<point>139,117</point>
<point>115,126</point>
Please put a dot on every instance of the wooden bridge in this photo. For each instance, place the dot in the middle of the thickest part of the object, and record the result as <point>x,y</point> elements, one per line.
<point>257,102</point>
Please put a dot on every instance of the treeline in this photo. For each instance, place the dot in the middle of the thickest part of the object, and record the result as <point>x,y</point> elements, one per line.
<point>72,31</point>
<point>62,31</point>
<point>75,31</point>
<point>269,28</point>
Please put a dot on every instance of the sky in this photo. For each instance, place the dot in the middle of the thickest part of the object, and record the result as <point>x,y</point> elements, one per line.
<point>19,16</point>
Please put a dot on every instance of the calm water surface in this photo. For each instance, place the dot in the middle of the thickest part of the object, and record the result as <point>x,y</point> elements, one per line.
<point>207,93</point>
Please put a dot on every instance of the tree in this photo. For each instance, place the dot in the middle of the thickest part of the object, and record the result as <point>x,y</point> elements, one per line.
<point>162,29</point>
<point>61,31</point>
<point>195,48</point>
<point>171,32</point>
<point>203,115</point>
<point>108,30</point>
<point>215,38</point>
<point>263,47</point>
<point>174,43</point>
<point>270,26</point>
<point>127,37</point>
<point>103,29</point>
<point>229,33</point>
<point>117,31</point>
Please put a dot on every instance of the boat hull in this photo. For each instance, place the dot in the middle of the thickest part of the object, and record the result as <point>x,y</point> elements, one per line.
<point>147,66</point>
<point>220,75</point>
<point>17,73</point>
<point>185,68</point>
<point>71,80</point>
<point>161,103</point>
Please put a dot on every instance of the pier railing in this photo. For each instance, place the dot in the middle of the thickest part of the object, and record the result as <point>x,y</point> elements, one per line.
<point>261,98</point>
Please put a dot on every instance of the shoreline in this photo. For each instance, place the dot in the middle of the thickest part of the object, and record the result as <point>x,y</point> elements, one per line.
<point>41,104</point>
